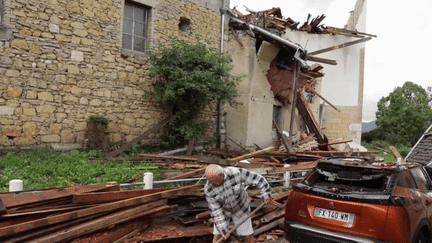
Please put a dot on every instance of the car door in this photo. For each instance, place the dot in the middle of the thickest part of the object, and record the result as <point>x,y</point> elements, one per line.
<point>425,179</point>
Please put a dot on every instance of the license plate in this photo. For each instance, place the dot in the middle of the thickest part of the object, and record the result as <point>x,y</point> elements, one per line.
<point>334,215</point>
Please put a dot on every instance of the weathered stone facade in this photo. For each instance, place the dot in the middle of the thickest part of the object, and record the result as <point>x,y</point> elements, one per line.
<point>63,61</point>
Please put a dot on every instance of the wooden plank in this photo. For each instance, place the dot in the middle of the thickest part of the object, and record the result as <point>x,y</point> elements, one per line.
<point>321,60</point>
<point>14,229</point>
<point>309,118</point>
<point>197,172</point>
<point>157,156</point>
<point>269,226</point>
<point>43,211</point>
<point>288,146</point>
<point>2,207</point>
<point>337,142</point>
<point>23,198</point>
<point>102,222</point>
<point>125,231</point>
<point>103,197</point>
<point>215,160</point>
<point>143,135</point>
<point>281,196</point>
<point>253,154</point>
<point>309,138</point>
<point>302,166</point>
<point>341,153</point>
<point>339,46</point>
<point>308,87</point>
<point>270,217</point>
<point>396,154</point>
<point>30,235</point>
<point>190,147</point>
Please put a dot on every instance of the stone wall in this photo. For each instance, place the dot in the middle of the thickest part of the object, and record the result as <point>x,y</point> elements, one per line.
<point>343,125</point>
<point>65,63</point>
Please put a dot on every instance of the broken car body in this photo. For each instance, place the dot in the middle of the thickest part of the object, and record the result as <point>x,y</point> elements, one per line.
<point>354,200</point>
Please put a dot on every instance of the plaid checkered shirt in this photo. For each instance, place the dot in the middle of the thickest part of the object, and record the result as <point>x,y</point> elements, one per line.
<point>231,197</point>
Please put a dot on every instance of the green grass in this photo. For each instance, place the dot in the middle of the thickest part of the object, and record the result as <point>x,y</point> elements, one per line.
<point>385,154</point>
<point>42,168</point>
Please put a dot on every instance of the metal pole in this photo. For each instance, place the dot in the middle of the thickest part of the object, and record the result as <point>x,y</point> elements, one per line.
<point>148,180</point>
<point>295,69</point>
<point>219,105</point>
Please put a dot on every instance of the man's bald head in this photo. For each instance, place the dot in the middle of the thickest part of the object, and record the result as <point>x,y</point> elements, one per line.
<point>214,174</point>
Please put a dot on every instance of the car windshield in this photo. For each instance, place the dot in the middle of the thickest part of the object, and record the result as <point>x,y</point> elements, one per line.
<point>349,177</point>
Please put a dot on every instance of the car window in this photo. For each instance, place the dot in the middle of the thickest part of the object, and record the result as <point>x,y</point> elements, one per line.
<point>420,179</point>
<point>405,179</point>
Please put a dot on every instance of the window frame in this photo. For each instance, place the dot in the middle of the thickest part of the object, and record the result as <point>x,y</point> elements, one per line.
<point>5,15</point>
<point>149,5</point>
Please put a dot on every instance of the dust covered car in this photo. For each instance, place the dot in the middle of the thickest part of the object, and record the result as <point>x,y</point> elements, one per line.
<point>353,200</point>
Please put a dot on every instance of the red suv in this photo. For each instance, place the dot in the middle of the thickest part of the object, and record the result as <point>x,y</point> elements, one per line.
<point>353,200</point>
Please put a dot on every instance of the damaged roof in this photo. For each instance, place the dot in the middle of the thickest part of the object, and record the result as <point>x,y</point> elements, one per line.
<point>272,19</point>
<point>422,151</point>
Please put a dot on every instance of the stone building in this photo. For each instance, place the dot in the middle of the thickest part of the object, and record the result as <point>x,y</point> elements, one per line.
<point>341,84</point>
<point>64,60</point>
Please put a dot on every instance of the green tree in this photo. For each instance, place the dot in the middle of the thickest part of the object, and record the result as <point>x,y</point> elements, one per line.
<point>405,112</point>
<point>188,76</point>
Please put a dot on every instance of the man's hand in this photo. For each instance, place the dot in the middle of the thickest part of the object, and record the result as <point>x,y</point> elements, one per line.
<point>226,236</point>
<point>273,202</point>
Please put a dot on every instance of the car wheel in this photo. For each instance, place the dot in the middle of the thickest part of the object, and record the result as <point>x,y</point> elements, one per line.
<point>420,238</point>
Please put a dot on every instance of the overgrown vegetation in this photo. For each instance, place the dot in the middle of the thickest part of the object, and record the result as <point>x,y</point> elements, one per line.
<point>99,119</point>
<point>402,117</point>
<point>404,114</point>
<point>188,76</point>
<point>96,134</point>
<point>41,168</point>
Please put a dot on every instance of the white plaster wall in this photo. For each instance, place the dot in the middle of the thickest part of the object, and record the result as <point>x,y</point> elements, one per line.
<point>340,84</point>
<point>251,122</point>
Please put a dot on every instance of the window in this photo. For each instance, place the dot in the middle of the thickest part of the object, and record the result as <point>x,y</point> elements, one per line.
<point>406,180</point>
<point>135,23</point>
<point>420,178</point>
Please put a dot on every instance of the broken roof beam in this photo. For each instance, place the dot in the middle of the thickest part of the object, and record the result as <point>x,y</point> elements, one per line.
<point>396,154</point>
<point>321,60</point>
<point>157,156</point>
<point>140,137</point>
<point>288,146</point>
<point>339,46</point>
<point>308,87</point>
<point>309,118</point>
<point>352,33</point>
<point>275,39</point>
<point>253,154</point>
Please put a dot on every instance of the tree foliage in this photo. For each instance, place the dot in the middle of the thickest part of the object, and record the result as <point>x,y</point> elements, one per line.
<point>405,112</point>
<point>188,77</point>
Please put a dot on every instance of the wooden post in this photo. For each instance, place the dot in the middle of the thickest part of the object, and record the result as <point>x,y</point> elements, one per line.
<point>143,135</point>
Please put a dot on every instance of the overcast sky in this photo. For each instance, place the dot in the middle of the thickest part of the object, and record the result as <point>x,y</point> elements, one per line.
<point>401,52</point>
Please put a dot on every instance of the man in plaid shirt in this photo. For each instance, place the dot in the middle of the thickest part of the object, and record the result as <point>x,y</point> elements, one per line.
<point>227,198</point>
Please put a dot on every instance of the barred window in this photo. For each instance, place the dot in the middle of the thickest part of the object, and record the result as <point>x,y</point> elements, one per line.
<point>135,25</point>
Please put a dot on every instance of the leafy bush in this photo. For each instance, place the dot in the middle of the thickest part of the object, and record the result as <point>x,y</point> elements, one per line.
<point>99,119</point>
<point>188,77</point>
<point>41,168</point>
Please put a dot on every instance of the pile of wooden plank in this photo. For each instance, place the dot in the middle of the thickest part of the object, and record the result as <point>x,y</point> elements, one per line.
<point>105,213</point>
<point>272,19</point>
<point>65,214</point>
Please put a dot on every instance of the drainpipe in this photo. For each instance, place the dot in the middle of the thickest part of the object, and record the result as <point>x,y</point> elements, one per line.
<point>219,105</point>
